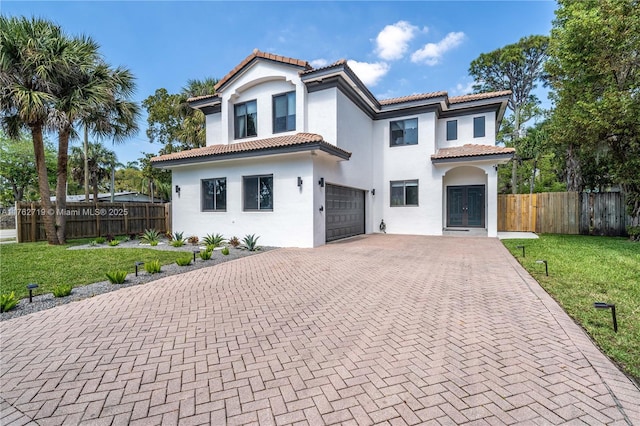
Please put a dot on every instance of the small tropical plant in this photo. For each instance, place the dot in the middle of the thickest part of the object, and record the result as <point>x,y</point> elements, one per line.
<point>225,251</point>
<point>205,254</point>
<point>114,243</point>
<point>193,240</point>
<point>177,236</point>
<point>93,244</point>
<point>110,237</point>
<point>213,240</point>
<point>100,240</point>
<point>250,242</point>
<point>153,267</point>
<point>154,243</point>
<point>62,290</point>
<point>177,243</point>
<point>150,236</point>
<point>184,261</point>
<point>117,276</point>
<point>8,301</point>
<point>234,241</point>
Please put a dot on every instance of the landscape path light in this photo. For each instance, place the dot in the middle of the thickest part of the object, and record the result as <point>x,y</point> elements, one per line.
<point>138,264</point>
<point>546,266</point>
<point>603,305</point>
<point>521,247</point>
<point>31,287</point>
<point>195,251</point>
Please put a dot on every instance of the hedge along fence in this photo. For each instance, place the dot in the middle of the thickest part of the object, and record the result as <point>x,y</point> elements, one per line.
<point>90,220</point>
<point>602,213</point>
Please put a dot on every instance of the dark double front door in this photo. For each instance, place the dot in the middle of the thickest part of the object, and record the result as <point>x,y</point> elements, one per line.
<point>465,206</point>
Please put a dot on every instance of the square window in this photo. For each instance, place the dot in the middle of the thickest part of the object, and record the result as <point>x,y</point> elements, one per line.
<point>404,193</point>
<point>284,112</point>
<point>258,192</point>
<point>245,120</point>
<point>452,130</point>
<point>214,194</point>
<point>478,127</point>
<point>404,132</point>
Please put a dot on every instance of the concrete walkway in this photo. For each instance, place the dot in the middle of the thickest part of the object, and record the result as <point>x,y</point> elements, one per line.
<point>378,329</point>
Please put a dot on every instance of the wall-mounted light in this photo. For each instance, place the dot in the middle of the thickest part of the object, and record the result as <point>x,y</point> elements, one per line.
<point>546,266</point>
<point>31,287</point>
<point>373,191</point>
<point>321,208</point>
<point>495,168</point>
<point>178,189</point>
<point>602,305</point>
<point>521,247</point>
<point>299,182</point>
<point>321,182</point>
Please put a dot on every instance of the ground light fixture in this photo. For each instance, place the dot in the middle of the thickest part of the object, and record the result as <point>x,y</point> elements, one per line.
<point>31,287</point>
<point>603,305</point>
<point>138,264</point>
<point>195,251</point>
<point>521,247</point>
<point>546,266</point>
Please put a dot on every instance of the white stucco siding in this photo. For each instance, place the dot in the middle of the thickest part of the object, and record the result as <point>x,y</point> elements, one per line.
<point>465,130</point>
<point>322,114</point>
<point>213,129</point>
<point>290,224</point>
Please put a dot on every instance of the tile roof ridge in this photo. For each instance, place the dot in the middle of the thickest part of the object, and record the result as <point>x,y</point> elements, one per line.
<point>478,96</point>
<point>414,97</point>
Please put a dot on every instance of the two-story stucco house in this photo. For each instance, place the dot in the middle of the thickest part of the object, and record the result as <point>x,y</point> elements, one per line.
<point>302,156</point>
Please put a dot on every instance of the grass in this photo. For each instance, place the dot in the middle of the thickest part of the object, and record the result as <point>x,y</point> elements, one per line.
<point>24,263</point>
<point>584,270</point>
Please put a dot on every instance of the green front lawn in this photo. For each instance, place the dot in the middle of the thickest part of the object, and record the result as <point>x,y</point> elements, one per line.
<point>584,270</point>
<point>48,266</point>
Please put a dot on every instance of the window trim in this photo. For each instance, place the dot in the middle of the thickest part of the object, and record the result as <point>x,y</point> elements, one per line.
<point>391,144</point>
<point>447,130</point>
<point>484,123</point>
<point>235,116</point>
<point>244,207</point>
<point>273,108</point>
<point>202,209</point>
<point>404,192</point>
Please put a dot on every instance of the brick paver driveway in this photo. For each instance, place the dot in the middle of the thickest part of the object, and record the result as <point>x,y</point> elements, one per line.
<point>395,329</point>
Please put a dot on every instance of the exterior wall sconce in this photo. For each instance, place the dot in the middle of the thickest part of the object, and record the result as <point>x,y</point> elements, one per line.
<point>299,182</point>
<point>546,266</point>
<point>138,264</point>
<point>373,191</point>
<point>602,305</point>
<point>321,208</point>
<point>178,189</point>
<point>383,226</point>
<point>196,251</point>
<point>495,168</point>
<point>521,247</point>
<point>31,287</point>
<point>321,182</point>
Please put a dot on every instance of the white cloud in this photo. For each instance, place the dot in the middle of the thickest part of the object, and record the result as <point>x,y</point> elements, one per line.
<point>393,41</point>
<point>463,88</point>
<point>369,73</point>
<point>431,53</point>
<point>319,63</point>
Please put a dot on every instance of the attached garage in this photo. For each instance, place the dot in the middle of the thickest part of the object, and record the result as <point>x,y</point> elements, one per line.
<point>344,212</point>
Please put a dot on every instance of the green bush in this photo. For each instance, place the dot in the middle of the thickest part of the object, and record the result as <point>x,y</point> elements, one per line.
<point>205,254</point>
<point>634,233</point>
<point>184,261</point>
<point>114,243</point>
<point>177,243</point>
<point>150,236</point>
<point>153,267</point>
<point>225,251</point>
<point>116,277</point>
<point>8,301</point>
<point>62,290</point>
<point>213,240</point>
<point>153,243</point>
<point>250,242</point>
<point>100,240</point>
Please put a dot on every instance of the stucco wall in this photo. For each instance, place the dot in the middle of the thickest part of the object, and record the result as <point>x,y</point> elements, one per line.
<point>465,130</point>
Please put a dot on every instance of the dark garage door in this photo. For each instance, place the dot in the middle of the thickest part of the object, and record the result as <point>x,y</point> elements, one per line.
<point>344,212</point>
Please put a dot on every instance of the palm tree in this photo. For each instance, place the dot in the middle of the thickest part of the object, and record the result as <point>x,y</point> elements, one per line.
<point>100,161</point>
<point>192,132</point>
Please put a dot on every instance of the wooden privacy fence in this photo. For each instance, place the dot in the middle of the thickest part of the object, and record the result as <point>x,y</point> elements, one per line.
<point>601,213</point>
<point>89,220</point>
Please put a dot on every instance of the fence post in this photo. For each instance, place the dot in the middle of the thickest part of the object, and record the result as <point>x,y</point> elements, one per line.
<point>34,223</point>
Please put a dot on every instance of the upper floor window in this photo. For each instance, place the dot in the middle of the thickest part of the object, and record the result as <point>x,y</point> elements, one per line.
<point>404,193</point>
<point>404,132</point>
<point>284,112</point>
<point>452,130</point>
<point>246,119</point>
<point>258,192</point>
<point>478,127</point>
<point>214,194</point>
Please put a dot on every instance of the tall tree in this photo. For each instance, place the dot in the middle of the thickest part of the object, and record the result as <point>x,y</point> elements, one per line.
<point>519,68</point>
<point>594,69</point>
<point>101,162</point>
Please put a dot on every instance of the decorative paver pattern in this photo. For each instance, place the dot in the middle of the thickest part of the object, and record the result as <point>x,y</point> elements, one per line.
<point>379,329</point>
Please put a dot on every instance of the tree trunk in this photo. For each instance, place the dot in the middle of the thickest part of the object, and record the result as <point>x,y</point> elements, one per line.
<point>48,214</point>
<point>533,176</point>
<point>61,184</point>
<point>574,179</point>
<point>86,164</point>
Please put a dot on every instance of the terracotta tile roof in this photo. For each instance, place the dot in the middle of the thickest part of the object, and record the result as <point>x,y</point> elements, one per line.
<point>258,54</point>
<point>478,96</point>
<point>471,150</point>
<point>298,139</point>
<point>335,64</point>
<point>201,97</point>
<point>410,98</point>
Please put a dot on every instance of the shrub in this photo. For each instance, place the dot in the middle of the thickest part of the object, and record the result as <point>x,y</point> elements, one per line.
<point>177,243</point>
<point>184,261</point>
<point>153,267</point>
<point>8,301</point>
<point>634,233</point>
<point>206,254</point>
<point>250,242</point>
<point>117,277</point>
<point>62,290</point>
<point>213,241</point>
<point>234,241</point>
<point>193,239</point>
<point>177,236</point>
<point>149,236</point>
<point>225,251</point>
<point>114,243</point>
<point>154,243</point>
<point>110,237</point>
<point>100,240</point>
<point>93,244</point>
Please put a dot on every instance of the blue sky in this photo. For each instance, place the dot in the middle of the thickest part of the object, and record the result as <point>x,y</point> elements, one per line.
<point>397,48</point>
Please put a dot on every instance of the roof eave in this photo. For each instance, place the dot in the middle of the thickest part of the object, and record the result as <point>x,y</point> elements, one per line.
<point>497,158</point>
